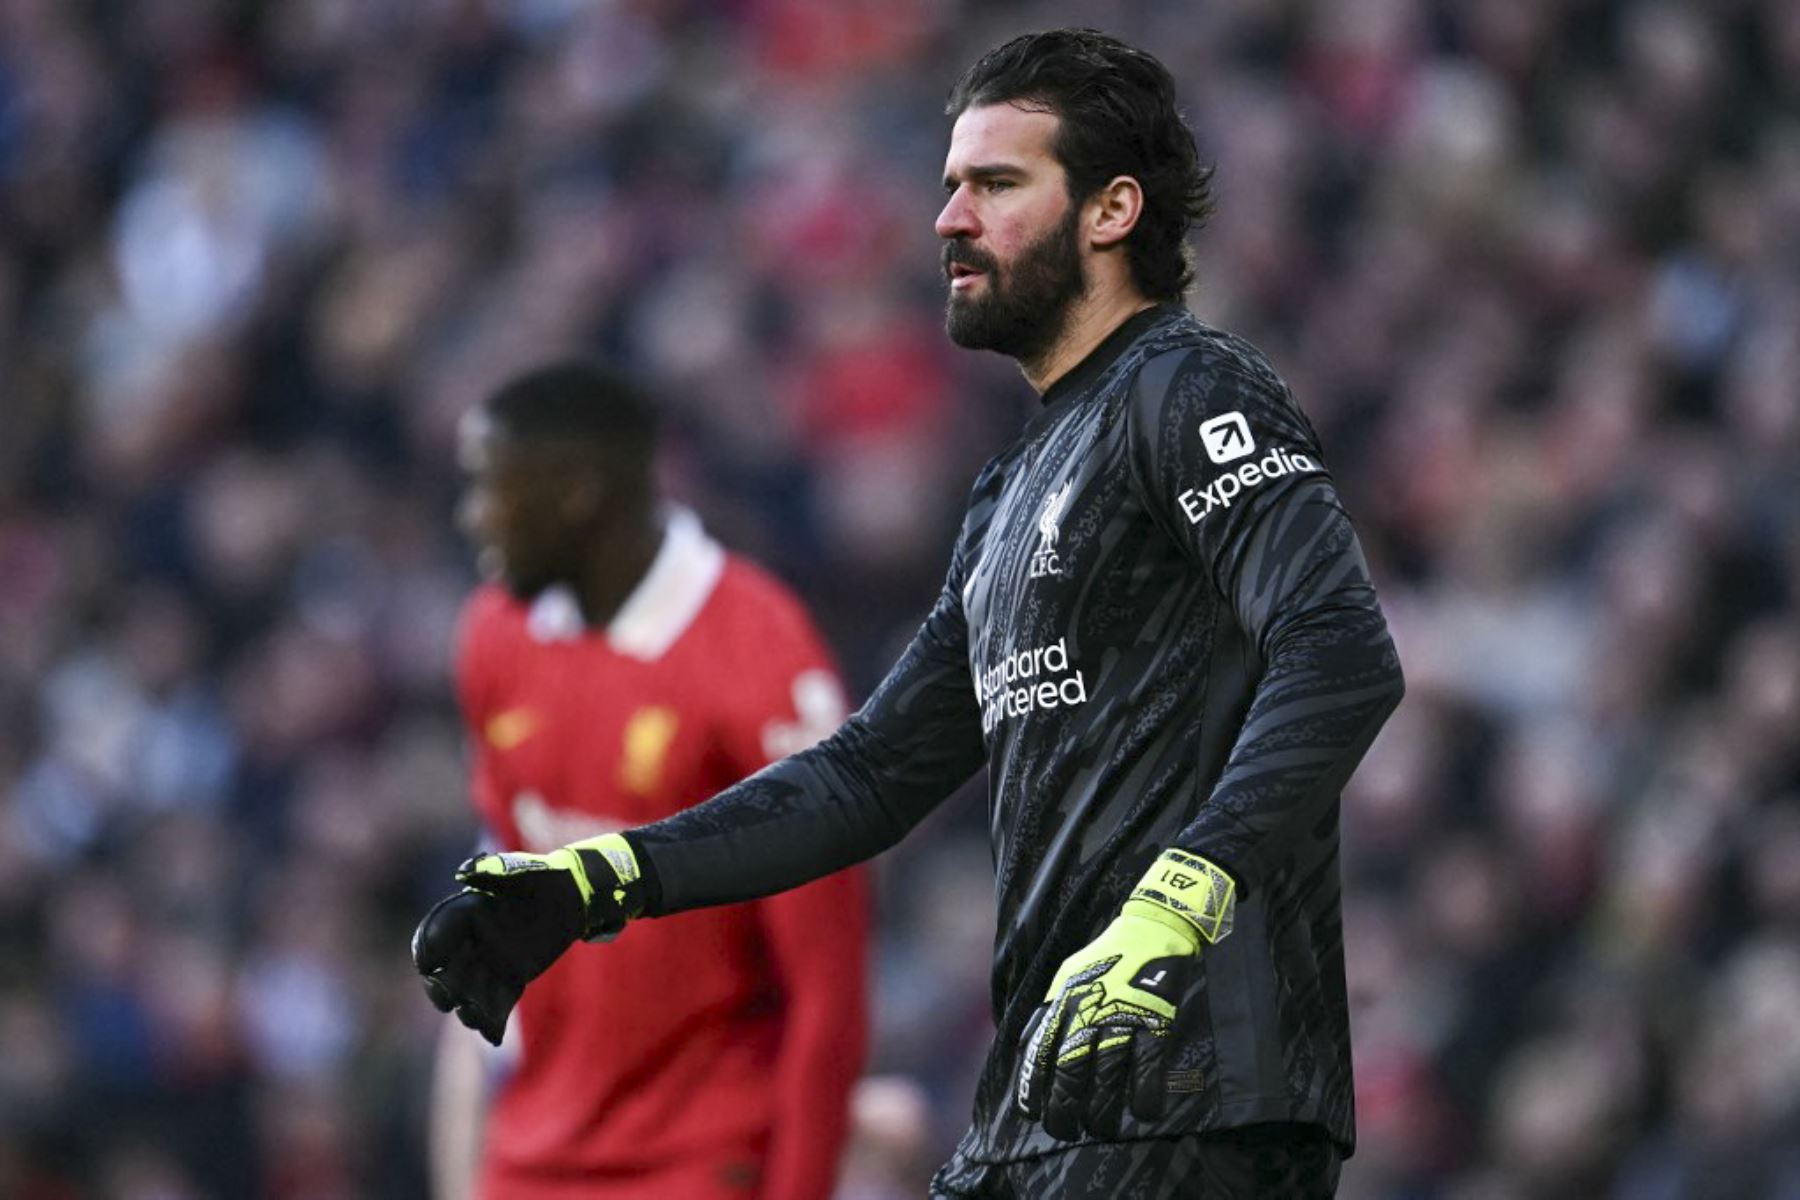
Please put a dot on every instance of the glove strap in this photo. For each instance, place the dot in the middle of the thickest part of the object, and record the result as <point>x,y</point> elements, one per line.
<point>1192,889</point>
<point>611,883</point>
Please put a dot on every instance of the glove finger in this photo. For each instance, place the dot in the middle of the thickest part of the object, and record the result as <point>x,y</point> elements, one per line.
<point>463,986</point>
<point>446,927</point>
<point>442,950</point>
<point>478,1019</point>
<point>488,985</point>
<point>450,945</point>
<point>461,954</point>
<point>481,997</point>
<point>1072,1084</point>
<point>438,994</point>
<point>1105,1111</point>
<point>1149,1075</point>
<point>497,997</point>
<point>491,872</point>
<point>510,870</point>
<point>1035,1061</point>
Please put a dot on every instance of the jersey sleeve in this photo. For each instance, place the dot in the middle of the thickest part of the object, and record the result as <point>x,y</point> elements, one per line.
<point>474,688</point>
<point>1228,464</point>
<point>844,800</point>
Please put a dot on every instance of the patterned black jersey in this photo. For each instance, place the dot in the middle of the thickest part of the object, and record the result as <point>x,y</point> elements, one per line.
<point>1158,630</point>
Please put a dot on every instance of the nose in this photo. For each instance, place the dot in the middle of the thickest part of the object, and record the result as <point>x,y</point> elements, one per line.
<point>958,217</point>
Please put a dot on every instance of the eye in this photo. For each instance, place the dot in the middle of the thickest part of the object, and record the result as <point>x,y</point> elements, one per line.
<point>1000,185</point>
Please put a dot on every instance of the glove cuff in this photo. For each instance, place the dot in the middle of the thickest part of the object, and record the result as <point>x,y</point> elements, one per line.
<point>611,882</point>
<point>1197,892</point>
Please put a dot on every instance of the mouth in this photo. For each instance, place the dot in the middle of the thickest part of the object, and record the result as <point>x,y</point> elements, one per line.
<point>962,275</point>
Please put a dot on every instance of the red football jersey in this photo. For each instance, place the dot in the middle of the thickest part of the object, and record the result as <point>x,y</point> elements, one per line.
<point>728,1035</point>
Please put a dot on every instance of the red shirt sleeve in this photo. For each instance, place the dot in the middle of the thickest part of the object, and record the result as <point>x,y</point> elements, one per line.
<point>474,695</point>
<point>818,936</point>
<point>787,697</point>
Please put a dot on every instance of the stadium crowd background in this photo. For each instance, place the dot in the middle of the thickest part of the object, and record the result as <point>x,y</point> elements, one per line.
<point>1533,268</point>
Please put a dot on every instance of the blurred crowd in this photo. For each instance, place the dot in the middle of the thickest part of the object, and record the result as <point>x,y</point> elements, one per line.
<point>1532,266</point>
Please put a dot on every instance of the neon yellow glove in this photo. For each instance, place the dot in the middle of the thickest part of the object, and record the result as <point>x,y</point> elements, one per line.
<point>1097,1043</point>
<point>516,914</point>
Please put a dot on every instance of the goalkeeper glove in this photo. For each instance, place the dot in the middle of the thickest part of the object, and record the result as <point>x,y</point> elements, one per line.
<point>515,916</point>
<point>1098,1042</point>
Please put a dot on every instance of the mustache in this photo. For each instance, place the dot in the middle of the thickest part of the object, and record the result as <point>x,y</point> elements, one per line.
<point>962,254</point>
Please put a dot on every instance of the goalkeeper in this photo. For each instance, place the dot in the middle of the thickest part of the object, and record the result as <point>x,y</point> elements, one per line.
<point>1159,633</point>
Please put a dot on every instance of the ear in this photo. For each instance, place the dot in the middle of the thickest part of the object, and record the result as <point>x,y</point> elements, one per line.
<point>1113,212</point>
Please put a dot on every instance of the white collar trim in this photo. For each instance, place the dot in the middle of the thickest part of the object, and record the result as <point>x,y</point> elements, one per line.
<point>659,610</point>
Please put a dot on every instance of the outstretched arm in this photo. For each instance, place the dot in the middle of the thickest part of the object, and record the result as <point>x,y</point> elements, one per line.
<point>845,800</point>
<point>856,793</point>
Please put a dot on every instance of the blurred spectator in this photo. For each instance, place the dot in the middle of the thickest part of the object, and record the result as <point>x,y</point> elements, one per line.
<point>1532,268</point>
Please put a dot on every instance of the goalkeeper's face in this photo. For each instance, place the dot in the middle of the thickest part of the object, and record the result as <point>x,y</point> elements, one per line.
<point>528,506</point>
<point>1012,247</point>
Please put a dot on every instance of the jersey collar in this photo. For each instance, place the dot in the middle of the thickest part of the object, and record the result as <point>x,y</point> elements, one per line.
<point>1107,352</point>
<point>659,610</point>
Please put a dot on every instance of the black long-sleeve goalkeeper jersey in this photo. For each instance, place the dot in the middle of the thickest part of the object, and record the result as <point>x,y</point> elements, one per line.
<point>1158,630</point>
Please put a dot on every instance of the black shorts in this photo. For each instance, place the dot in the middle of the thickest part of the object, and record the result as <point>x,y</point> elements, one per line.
<point>1256,1162</point>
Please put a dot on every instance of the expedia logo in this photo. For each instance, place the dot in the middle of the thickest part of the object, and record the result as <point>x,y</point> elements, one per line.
<point>1226,488</point>
<point>1227,438</point>
<point>1045,561</point>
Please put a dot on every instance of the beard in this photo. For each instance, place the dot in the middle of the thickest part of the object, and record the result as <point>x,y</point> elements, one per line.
<point>1026,308</point>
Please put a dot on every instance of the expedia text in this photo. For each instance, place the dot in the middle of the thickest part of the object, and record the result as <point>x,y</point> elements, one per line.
<point>1226,488</point>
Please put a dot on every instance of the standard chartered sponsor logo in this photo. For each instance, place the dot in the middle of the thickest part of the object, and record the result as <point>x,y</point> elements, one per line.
<point>1027,682</point>
<point>1228,487</point>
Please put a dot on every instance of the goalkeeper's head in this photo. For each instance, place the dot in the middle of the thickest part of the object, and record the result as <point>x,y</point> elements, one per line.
<point>559,469</point>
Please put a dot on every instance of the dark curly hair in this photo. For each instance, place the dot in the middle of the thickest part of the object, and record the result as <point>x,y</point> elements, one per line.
<point>1116,114</point>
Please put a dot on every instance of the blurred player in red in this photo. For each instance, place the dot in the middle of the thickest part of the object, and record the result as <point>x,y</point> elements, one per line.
<point>620,666</point>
